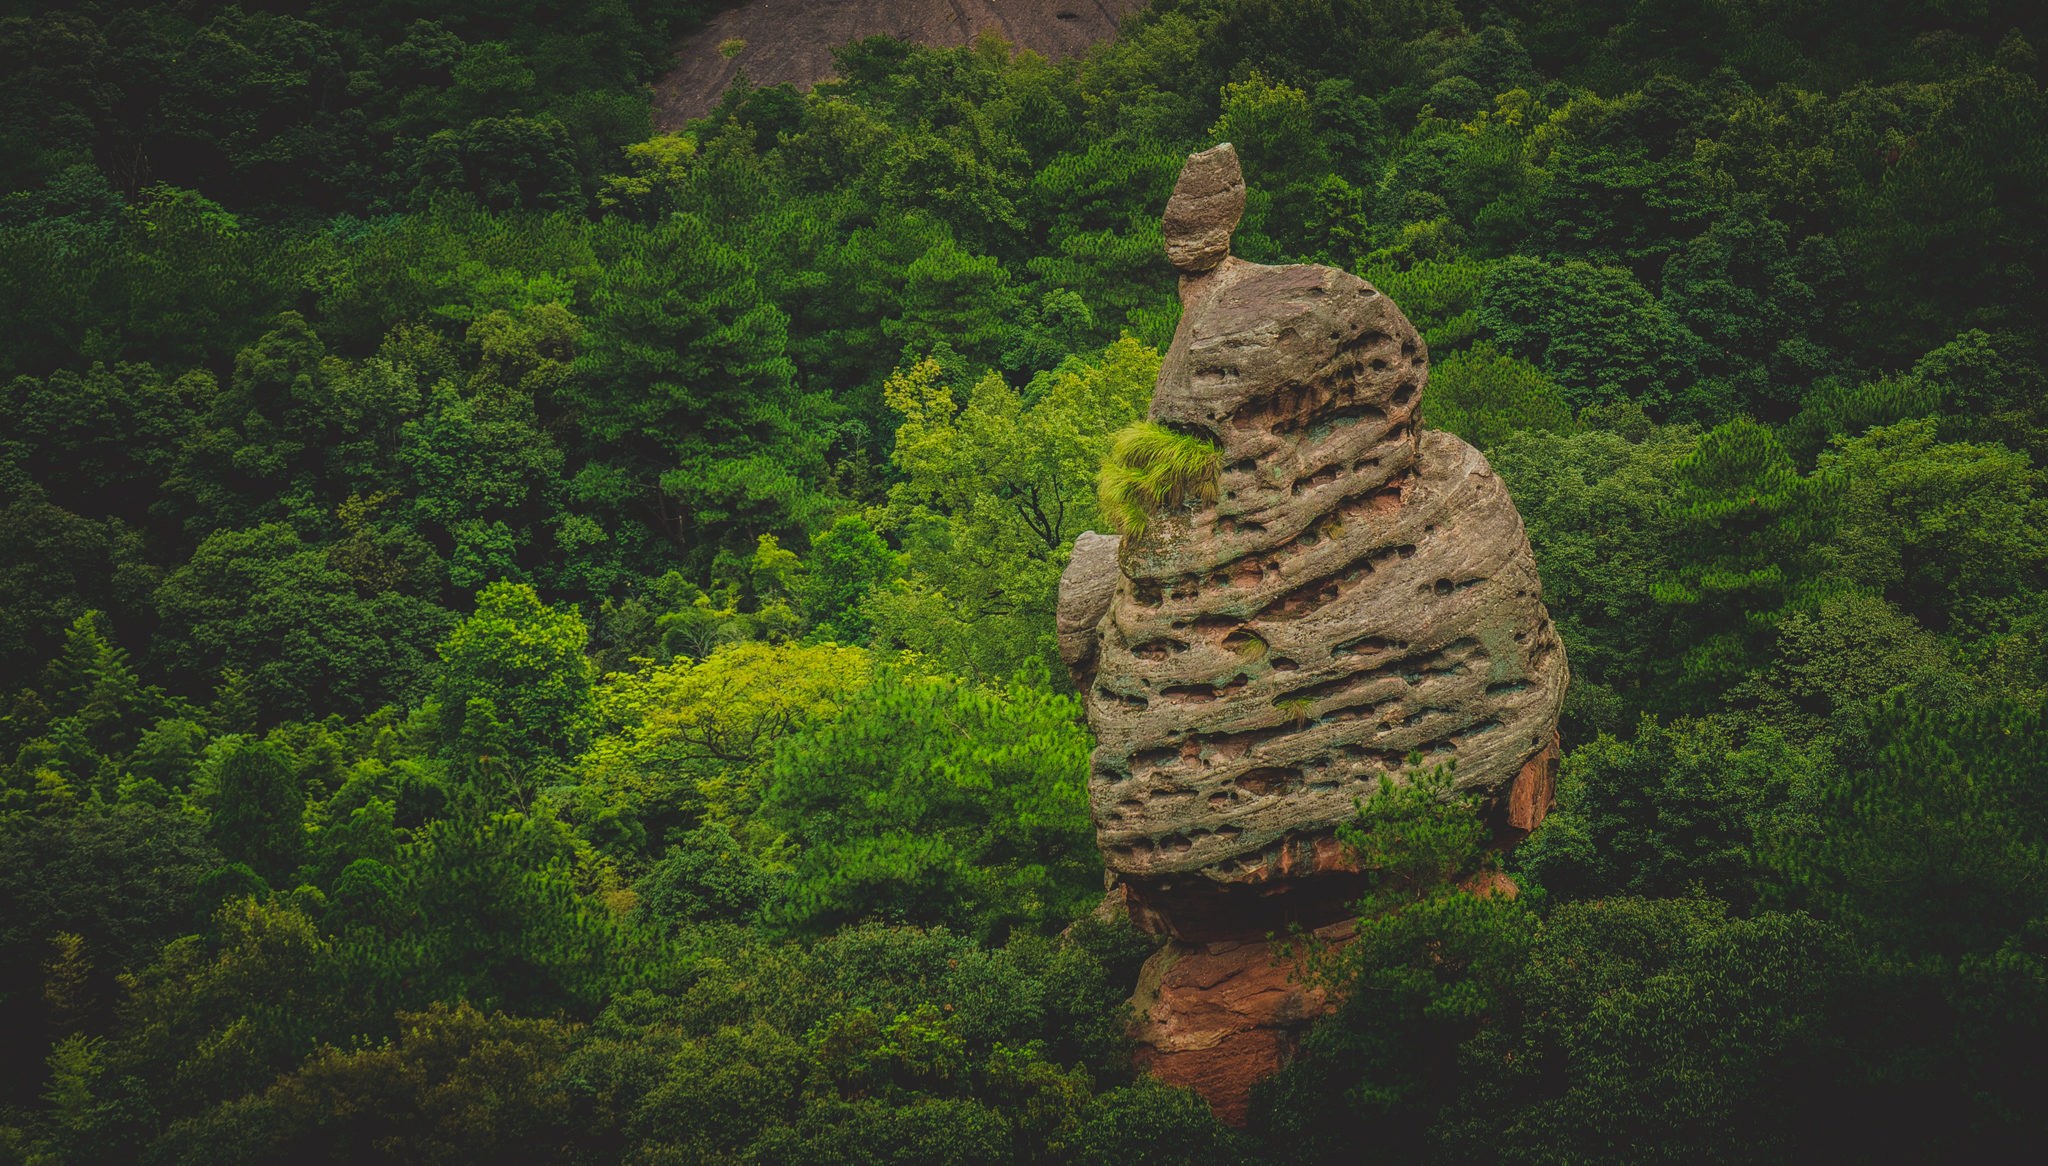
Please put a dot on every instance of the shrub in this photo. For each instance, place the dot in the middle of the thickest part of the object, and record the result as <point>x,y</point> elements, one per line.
<point>1150,466</point>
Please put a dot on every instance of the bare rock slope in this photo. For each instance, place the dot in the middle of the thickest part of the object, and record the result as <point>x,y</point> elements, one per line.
<point>792,40</point>
<point>1359,589</point>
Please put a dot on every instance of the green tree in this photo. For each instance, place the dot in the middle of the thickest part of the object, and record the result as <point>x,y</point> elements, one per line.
<point>405,289</point>
<point>709,877</point>
<point>686,385</point>
<point>165,760</point>
<point>1597,508</point>
<point>929,799</point>
<point>1835,662</point>
<point>121,881</point>
<point>1482,395</point>
<point>454,1083</point>
<point>1964,209</point>
<point>1980,379</point>
<point>495,910</point>
<point>1153,1124</point>
<point>351,834</point>
<point>1273,127</point>
<point>97,707</point>
<point>1594,329</point>
<point>183,284</point>
<point>518,662</point>
<point>228,884</point>
<point>1098,207</point>
<point>782,1050</point>
<point>1835,407</point>
<point>1656,1030</point>
<point>295,434</point>
<point>997,490</point>
<point>1623,190</point>
<point>216,1017</point>
<point>301,634</point>
<point>689,739</point>
<point>1955,533</point>
<point>256,811</point>
<point>99,443</point>
<point>1933,859</point>
<point>846,563</point>
<point>1441,298</point>
<point>1756,315</point>
<point>653,178</point>
<point>966,175</point>
<point>505,163</point>
<point>54,567</point>
<point>480,462</point>
<point>1935,842</point>
<point>1679,807</point>
<point>1749,529</point>
<point>77,205</point>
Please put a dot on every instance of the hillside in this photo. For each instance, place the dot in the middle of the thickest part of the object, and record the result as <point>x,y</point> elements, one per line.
<point>529,640</point>
<point>792,40</point>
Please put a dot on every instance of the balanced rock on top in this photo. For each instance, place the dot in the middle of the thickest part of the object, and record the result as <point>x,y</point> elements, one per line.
<point>1311,587</point>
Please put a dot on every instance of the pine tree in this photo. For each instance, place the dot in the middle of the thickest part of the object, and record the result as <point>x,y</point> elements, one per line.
<point>1748,555</point>
<point>685,378</point>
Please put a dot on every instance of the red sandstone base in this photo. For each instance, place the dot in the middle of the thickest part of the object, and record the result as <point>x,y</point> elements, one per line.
<point>1219,1017</point>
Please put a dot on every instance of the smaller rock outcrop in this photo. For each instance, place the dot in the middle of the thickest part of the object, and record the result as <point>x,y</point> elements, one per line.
<point>1086,587</point>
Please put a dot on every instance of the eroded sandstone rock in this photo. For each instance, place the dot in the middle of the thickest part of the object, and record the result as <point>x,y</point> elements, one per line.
<point>1207,202</point>
<point>1086,587</point>
<point>1218,1018</point>
<point>1361,589</point>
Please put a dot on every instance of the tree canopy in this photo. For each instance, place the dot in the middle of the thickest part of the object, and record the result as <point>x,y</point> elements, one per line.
<point>528,638</point>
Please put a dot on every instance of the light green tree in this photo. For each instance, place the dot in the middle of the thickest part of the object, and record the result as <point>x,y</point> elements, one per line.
<point>932,800</point>
<point>995,492</point>
<point>515,687</point>
<point>1953,532</point>
<point>699,732</point>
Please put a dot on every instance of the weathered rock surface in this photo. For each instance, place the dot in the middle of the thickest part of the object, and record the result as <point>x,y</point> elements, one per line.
<point>1361,589</point>
<point>1207,202</point>
<point>1086,587</point>
<point>792,40</point>
<point>1218,1018</point>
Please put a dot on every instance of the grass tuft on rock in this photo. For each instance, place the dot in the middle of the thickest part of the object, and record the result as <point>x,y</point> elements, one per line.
<point>1150,466</point>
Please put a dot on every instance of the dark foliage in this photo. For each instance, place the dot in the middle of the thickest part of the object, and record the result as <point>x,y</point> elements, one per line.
<point>525,639</point>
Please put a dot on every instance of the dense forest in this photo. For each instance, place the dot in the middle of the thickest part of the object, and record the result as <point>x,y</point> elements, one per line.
<point>526,639</point>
